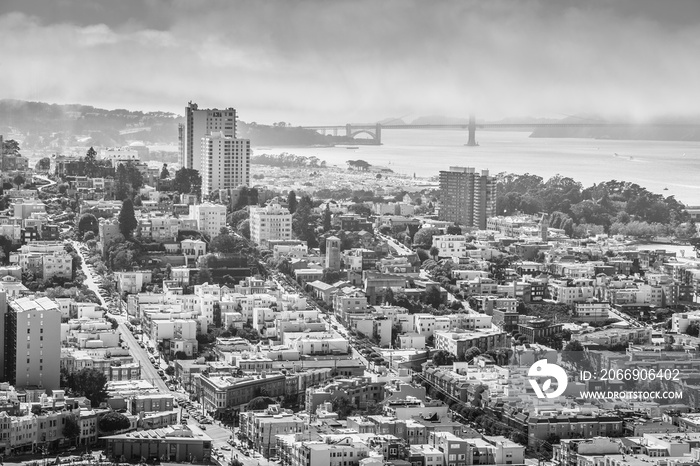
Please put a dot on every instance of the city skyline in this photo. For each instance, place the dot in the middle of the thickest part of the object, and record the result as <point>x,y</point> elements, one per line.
<point>311,62</point>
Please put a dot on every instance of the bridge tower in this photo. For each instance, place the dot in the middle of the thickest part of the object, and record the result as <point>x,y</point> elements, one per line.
<point>348,131</point>
<point>472,131</point>
<point>378,134</point>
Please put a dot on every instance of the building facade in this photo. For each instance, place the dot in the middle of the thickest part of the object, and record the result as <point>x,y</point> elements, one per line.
<point>198,124</point>
<point>467,197</point>
<point>272,222</point>
<point>31,343</point>
<point>225,162</point>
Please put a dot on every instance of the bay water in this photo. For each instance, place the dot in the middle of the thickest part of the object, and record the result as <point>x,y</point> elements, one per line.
<point>670,168</point>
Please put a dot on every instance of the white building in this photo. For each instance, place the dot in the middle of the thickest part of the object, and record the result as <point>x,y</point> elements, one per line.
<point>193,248</point>
<point>592,310</point>
<point>225,162</point>
<point>451,245</point>
<point>393,208</point>
<point>58,264</point>
<point>185,329</point>
<point>211,218</point>
<point>119,154</point>
<point>681,320</point>
<point>132,282</point>
<point>269,223</point>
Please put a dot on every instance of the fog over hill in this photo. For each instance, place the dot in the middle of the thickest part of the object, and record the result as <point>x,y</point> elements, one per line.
<point>38,123</point>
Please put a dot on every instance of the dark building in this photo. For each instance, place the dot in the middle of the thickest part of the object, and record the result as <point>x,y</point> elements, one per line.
<point>355,223</point>
<point>467,198</point>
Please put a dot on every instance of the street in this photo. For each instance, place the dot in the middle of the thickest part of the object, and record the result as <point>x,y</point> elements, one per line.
<point>148,371</point>
<point>89,280</point>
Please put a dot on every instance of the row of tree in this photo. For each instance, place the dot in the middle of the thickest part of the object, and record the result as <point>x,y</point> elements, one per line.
<point>614,205</point>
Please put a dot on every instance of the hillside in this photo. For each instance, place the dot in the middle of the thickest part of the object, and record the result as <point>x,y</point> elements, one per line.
<point>39,124</point>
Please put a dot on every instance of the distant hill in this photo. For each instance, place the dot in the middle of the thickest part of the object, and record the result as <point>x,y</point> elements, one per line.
<point>40,123</point>
<point>439,120</point>
<point>265,135</point>
<point>688,129</point>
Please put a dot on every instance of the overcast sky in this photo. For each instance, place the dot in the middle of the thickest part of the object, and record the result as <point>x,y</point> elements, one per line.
<point>323,61</point>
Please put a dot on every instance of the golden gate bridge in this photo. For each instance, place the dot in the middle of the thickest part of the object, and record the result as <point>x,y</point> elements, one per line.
<point>374,130</point>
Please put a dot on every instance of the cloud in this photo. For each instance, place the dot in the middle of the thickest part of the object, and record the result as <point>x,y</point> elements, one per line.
<point>309,61</point>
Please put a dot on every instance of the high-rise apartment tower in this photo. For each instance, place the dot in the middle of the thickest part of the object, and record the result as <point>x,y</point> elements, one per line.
<point>200,123</point>
<point>467,197</point>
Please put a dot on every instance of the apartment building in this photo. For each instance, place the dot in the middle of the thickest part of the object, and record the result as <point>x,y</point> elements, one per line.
<point>262,428</point>
<point>451,245</point>
<point>225,162</point>
<point>272,222</point>
<point>219,393</point>
<point>467,197</point>
<point>200,123</point>
<point>211,218</point>
<point>32,343</point>
<point>457,343</point>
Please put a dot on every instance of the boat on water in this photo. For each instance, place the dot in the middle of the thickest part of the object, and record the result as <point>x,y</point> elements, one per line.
<point>353,147</point>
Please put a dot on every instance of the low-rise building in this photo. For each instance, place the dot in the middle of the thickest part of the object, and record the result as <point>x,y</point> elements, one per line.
<point>176,444</point>
<point>457,343</point>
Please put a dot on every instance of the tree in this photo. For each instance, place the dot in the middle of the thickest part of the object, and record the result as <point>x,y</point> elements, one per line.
<point>330,276</point>
<point>204,276</point>
<point>127,218</point>
<point>327,218</point>
<point>243,228</point>
<point>249,334</point>
<point>424,237</point>
<point>226,244</point>
<point>443,358</point>
<point>11,147</point>
<point>693,329</point>
<point>434,252</point>
<point>360,209</point>
<point>395,332</point>
<point>471,353</point>
<point>260,403</point>
<point>19,180</point>
<point>43,165</point>
<point>188,181</point>
<point>358,164</point>
<point>433,297</point>
<point>88,222</point>
<point>217,314</point>
<point>90,163</point>
<point>113,421</point>
<point>387,295</point>
<point>71,429</point>
<point>342,406</point>
<point>573,354</point>
<point>164,173</point>
<point>89,383</point>
<point>453,230</point>
<point>121,188</point>
<point>292,202</point>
